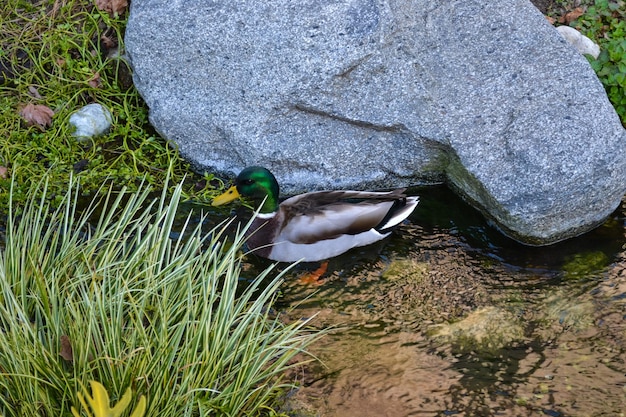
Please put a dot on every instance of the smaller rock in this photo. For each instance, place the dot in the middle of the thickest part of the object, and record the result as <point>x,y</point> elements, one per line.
<point>90,121</point>
<point>485,330</point>
<point>583,44</point>
<point>407,269</point>
<point>569,311</point>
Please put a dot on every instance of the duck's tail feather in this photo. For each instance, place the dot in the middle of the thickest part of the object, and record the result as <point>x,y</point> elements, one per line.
<point>401,209</point>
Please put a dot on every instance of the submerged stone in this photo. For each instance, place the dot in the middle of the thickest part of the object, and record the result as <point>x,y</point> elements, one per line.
<point>487,330</point>
<point>585,264</point>
<point>408,270</point>
<point>569,311</point>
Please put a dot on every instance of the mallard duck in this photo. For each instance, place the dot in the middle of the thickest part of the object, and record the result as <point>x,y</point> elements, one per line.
<point>318,225</point>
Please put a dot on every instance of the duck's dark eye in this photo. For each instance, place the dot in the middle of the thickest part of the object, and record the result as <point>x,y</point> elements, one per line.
<point>247,182</point>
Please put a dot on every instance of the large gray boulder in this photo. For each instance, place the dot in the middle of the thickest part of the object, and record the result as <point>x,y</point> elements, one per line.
<point>486,95</point>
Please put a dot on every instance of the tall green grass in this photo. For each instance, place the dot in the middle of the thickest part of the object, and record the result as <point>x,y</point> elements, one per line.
<point>117,300</point>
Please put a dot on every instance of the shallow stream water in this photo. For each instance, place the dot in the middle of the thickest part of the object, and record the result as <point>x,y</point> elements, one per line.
<point>449,317</point>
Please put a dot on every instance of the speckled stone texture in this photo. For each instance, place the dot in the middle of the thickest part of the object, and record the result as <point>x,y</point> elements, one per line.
<point>378,94</point>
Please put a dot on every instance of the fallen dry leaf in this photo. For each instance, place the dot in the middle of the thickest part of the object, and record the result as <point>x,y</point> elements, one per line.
<point>66,349</point>
<point>569,17</point>
<point>95,81</point>
<point>81,165</point>
<point>33,92</point>
<point>37,114</point>
<point>113,7</point>
<point>550,19</point>
<point>108,41</point>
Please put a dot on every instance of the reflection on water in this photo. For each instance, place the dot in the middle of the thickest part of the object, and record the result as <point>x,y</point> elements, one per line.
<point>450,317</point>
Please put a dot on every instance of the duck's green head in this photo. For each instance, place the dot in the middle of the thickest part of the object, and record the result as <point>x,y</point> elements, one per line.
<point>256,183</point>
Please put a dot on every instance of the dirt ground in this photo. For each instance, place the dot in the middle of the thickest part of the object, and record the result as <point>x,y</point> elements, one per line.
<point>558,7</point>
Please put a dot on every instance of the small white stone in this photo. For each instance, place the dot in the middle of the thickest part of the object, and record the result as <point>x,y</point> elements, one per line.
<point>91,120</point>
<point>583,44</point>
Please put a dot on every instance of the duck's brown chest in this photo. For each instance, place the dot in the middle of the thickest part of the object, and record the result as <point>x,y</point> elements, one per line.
<point>261,234</point>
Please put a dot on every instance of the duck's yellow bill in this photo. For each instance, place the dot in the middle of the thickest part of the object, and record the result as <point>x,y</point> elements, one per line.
<point>228,196</point>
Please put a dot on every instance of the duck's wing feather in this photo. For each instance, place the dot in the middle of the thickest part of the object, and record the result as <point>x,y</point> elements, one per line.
<point>309,203</point>
<point>323,215</point>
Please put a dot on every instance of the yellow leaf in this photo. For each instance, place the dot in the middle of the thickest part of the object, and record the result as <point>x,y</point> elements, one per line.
<point>99,403</point>
<point>123,403</point>
<point>140,410</point>
<point>83,403</point>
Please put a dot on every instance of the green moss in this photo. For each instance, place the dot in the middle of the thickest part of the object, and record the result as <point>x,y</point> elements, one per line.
<point>585,264</point>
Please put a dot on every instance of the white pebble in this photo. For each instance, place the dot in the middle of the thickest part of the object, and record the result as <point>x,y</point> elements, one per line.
<point>92,120</point>
<point>583,44</point>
